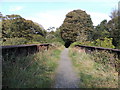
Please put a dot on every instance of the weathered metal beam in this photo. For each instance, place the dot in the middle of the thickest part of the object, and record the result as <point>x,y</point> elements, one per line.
<point>92,48</point>
<point>22,50</point>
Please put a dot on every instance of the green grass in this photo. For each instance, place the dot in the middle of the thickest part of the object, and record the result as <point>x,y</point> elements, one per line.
<point>93,74</point>
<point>32,71</point>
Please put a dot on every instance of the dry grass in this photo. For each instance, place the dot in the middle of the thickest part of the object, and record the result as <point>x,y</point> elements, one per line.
<point>93,74</point>
<point>33,71</point>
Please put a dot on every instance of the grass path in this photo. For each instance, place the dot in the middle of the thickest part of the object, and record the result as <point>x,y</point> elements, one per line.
<point>66,77</point>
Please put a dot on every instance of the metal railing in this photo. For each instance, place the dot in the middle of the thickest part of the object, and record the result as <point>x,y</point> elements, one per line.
<point>93,48</point>
<point>23,49</point>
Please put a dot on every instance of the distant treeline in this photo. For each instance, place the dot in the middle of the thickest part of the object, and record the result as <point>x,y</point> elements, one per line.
<point>17,30</point>
<point>77,28</point>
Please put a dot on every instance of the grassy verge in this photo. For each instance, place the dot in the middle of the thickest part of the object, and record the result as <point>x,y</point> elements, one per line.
<point>32,71</point>
<point>93,74</point>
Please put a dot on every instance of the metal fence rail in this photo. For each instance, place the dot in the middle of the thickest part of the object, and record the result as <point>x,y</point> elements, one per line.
<point>19,50</point>
<point>93,48</point>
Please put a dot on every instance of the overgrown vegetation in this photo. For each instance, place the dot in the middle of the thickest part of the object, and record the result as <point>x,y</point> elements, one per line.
<point>32,71</point>
<point>54,37</point>
<point>106,43</point>
<point>96,70</point>
<point>16,31</point>
<point>77,27</point>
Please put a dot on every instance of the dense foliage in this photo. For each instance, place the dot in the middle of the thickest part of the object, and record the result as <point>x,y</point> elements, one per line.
<point>76,26</point>
<point>17,30</point>
<point>108,30</point>
<point>98,69</point>
<point>114,28</point>
<point>54,36</point>
<point>14,26</point>
<point>101,31</point>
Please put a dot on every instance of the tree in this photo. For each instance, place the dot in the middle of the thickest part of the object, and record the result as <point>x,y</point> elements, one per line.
<point>114,28</point>
<point>16,26</point>
<point>77,26</point>
<point>101,31</point>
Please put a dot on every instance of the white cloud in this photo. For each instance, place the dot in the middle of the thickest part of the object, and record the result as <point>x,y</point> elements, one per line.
<point>56,17</point>
<point>98,17</point>
<point>50,18</point>
<point>15,8</point>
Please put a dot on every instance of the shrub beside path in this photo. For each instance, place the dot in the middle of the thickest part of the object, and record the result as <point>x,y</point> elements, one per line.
<point>66,77</point>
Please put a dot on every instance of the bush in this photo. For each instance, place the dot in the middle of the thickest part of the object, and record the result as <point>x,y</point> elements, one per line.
<point>106,58</point>
<point>38,38</point>
<point>94,69</point>
<point>106,42</point>
<point>88,43</point>
<point>15,41</point>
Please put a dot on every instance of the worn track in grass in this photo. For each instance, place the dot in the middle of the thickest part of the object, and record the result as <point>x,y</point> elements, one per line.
<point>66,77</point>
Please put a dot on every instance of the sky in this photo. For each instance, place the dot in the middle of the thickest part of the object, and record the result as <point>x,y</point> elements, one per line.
<point>51,13</point>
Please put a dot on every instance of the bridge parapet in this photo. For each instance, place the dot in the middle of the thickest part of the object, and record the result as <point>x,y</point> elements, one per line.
<point>89,49</point>
<point>23,50</point>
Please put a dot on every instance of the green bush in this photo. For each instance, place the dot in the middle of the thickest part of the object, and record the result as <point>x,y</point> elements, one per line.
<point>54,40</point>
<point>38,38</point>
<point>106,58</point>
<point>75,43</point>
<point>15,41</point>
<point>88,43</point>
<point>106,42</point>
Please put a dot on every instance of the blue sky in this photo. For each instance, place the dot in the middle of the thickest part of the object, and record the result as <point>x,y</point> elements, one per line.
<point>50,13</point>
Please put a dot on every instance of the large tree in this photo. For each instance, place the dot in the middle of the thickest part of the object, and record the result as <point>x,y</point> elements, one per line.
<point>114,28</point>
<point>16,26</point>
<point>101,31</point>
<point>77,26</point>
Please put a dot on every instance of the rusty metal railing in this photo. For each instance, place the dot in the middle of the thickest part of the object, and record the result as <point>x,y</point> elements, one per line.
<point>93,48</point>
<point>19,50</point>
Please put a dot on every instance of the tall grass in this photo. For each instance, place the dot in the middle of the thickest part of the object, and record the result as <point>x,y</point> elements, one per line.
<point>32,71</point>
<point>94,74</point>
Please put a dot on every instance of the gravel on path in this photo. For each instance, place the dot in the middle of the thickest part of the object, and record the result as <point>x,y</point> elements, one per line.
<point>65,76</point>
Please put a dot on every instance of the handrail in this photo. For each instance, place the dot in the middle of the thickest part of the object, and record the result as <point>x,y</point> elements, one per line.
<point>17,46</point>
<point>98,48</point>
<point>23,49</point>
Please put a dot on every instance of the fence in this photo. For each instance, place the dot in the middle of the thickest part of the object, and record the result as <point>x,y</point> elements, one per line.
<point>88,49</point>
<point>19,50</point>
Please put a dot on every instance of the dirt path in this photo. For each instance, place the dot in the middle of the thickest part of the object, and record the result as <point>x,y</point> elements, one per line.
<point>66,77</point>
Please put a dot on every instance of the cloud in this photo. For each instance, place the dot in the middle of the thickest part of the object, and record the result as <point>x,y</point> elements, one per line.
<point>48,19</point>
<point>15,8</point>
<point>55,18</point>
<point>98,17</point>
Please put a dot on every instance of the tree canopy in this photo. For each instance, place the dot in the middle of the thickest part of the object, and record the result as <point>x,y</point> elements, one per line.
<point>114,27</point>
<point>76,26</point>
<point>16,26</point>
